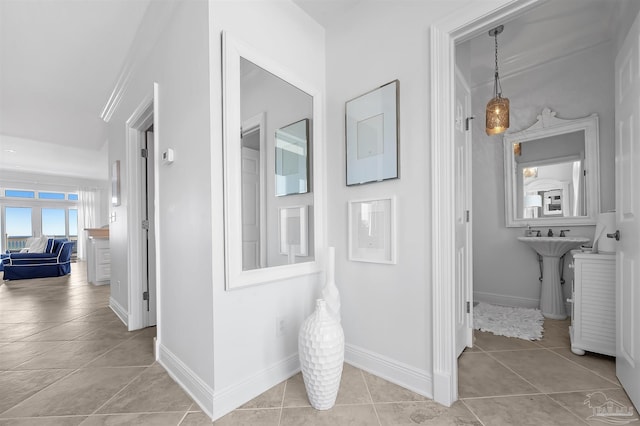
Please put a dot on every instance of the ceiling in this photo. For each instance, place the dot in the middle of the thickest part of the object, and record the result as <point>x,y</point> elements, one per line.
<point>59,60</point>
<point>552,30</point>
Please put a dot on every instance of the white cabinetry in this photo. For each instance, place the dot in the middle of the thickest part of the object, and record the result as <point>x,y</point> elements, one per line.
<point>593,314</point>
<point>99,261</point>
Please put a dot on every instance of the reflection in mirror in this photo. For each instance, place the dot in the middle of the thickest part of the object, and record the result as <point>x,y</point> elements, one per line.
<point>551,176</point>
<point>275,156</point>
<point>552,172</point>
<point>292,158</point>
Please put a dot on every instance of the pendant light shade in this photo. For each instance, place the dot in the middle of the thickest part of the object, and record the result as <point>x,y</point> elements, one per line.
<point>497,112</point>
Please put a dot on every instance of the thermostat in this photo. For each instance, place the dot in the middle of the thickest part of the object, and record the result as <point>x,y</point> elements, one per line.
<point>167,156</point>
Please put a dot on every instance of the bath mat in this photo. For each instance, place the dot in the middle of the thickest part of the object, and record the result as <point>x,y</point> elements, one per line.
<point>523,323</point>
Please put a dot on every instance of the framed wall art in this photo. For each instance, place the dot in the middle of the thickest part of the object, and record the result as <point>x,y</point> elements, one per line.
<point>372,130</point>
<point>294,231</point>
<point>372,230</point>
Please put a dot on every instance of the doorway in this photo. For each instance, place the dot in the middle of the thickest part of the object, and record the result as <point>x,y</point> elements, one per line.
<point>148,258</point>
<point>142,225</point>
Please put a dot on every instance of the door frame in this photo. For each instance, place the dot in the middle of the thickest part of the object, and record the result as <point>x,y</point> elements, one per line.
<point>142,118</point>
<point>258,122</point>
<point>474,19</point>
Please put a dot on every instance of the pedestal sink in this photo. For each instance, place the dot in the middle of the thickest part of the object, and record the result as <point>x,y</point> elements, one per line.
<point>551,249</point>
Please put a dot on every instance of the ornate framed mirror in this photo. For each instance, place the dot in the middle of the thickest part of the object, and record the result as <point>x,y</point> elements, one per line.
<point>551,172</point>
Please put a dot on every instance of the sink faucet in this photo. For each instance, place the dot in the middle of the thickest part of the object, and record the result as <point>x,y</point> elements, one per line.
<point>562,231</point>
<point>550,233</point>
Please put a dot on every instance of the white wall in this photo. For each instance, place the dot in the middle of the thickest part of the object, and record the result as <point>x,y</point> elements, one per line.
<point>248,357</point>
<point>506,270</point>
<point>179,64</point>
<point>386,309</point>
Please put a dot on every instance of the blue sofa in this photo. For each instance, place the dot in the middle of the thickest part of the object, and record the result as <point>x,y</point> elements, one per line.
<point>54,262</point>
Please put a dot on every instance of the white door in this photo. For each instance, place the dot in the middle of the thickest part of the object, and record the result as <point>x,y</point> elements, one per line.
<point>149,236</point>
<point>627,107</point>
<point>250,209</point>
<point>462,142</point>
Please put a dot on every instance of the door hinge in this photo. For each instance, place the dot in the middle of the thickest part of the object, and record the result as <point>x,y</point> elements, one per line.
<point>468,307</point>
<point>584,173</point>
<point>145,224</point>
<point>467,122</point>
<point>468,216</point>
<point>144,152</point>
<point>145,295</point>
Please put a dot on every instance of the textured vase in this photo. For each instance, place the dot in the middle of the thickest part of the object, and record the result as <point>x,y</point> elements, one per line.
<point>330,292</point>
<point>321,349</point>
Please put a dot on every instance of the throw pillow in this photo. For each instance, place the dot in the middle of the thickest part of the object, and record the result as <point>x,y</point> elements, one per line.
<point>38,245</point>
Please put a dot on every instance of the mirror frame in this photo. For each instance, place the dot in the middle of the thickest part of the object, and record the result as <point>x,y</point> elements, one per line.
<point>232,50</point>
<point>549,125</point>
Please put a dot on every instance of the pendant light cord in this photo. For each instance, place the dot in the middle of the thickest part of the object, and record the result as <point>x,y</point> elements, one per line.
<point>497,88</point>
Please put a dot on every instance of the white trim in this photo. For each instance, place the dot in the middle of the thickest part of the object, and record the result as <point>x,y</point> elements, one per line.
<point>156,207</point>
<point>139,121</point>
<point>120,311</point>
<point>155,19</point>
<point>232,50</point>
<point>231,397</point>
<point>466,23</point>
<point>258,121</point>
<point>403,375</point>
<point>188,380</point>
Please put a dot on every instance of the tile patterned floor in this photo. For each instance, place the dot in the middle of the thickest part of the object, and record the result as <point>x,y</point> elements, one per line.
<point>65,359</point>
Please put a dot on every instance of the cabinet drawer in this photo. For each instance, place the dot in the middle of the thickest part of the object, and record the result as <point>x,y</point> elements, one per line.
<point>103,272</point>
<point>103,255</point>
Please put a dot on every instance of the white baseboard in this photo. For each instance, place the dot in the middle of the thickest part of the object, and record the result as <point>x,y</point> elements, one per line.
<point>503,300</point>
<point>519,302</point>
<point>201,393</point>
<point>414,379</point>
<point>119,311</point>
<point>228,399</point>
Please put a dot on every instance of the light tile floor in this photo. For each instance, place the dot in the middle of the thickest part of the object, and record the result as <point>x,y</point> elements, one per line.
<point>65,359</point>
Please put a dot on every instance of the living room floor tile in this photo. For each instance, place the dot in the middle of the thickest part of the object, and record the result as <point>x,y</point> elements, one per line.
<point>82,392</point>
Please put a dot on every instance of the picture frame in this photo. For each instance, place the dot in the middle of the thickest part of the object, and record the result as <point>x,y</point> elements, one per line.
<point>372,135</point>
<point>115,183</point>
<point>294,230</point>
<point>292,158</point>
<point>372,230</point>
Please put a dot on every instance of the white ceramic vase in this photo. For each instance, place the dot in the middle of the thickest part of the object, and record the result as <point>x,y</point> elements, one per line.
<point>321,350</point>
<point>330,292</point>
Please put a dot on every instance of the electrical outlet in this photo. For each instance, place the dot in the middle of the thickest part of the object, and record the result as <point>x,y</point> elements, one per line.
<point>281,326</point>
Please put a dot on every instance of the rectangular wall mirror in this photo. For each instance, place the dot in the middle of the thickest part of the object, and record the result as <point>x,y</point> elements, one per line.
<point>270,157</point>
<point>552,172</point>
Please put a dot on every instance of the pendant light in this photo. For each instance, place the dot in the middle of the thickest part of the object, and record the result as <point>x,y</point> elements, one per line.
<point>498,108</point>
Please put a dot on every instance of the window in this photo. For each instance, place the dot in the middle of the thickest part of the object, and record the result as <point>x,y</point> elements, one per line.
<point>73,197</point>
<point>54,222</point>
<point>16,193</point>
<point>73,222</point>
<point>18,222</point>
<point>51,195</point>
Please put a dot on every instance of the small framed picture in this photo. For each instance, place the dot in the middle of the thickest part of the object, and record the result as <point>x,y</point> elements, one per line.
<point>372,230</point>
<point>371,126</point>
<point>294,231</point>
<point>115,183</point>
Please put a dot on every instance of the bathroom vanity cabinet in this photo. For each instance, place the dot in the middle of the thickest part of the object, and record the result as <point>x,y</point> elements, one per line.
<point>593,307</point>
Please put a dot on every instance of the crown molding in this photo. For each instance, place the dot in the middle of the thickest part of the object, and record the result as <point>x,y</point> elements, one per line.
<point>154,21</point>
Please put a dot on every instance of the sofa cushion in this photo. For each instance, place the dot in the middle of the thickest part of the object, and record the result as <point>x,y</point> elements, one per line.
<point>38,245</point>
